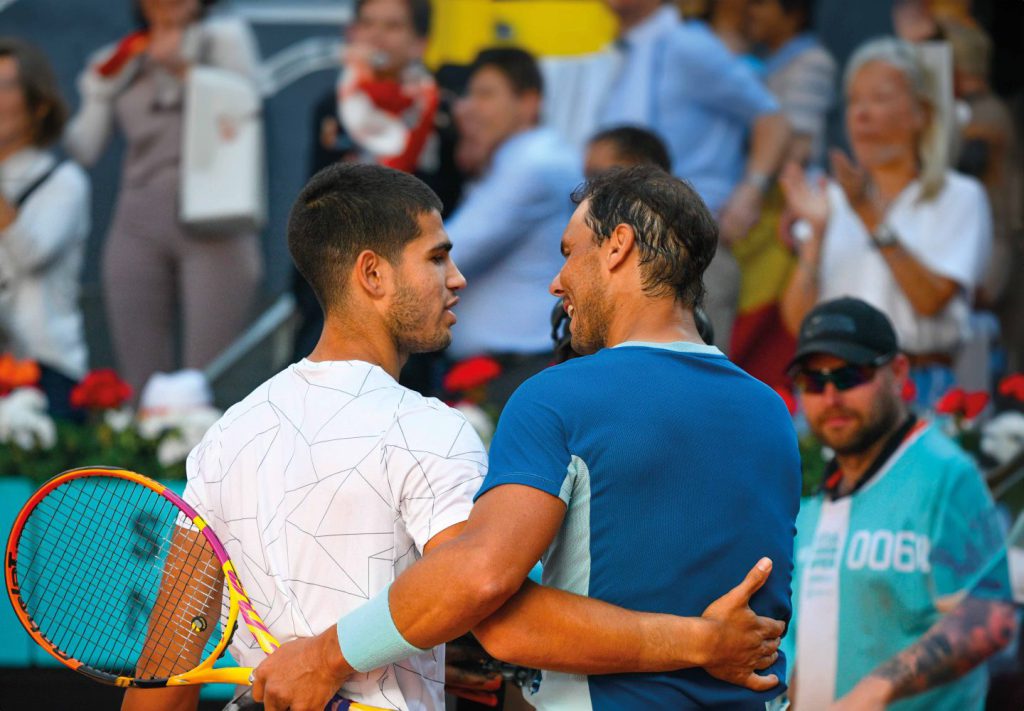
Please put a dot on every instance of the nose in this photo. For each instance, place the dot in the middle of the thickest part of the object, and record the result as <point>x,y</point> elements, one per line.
<point>832,394</point>
<point>556,286</point>
<point>455,281</point>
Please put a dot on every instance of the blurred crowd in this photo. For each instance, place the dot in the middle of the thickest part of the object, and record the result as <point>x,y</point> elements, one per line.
<point>917,209</point>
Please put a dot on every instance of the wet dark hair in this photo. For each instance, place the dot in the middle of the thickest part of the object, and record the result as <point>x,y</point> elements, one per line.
<point>675,232</point>
<point>39,86</point>
<point>347,208</point>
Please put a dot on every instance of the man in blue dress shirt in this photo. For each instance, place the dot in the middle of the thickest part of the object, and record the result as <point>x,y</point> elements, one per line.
<point>506,231</point>
<point>678,79</point>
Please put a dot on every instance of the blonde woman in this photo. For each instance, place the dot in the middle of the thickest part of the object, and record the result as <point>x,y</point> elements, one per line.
<point>154,266</point>
<point>894,227</point>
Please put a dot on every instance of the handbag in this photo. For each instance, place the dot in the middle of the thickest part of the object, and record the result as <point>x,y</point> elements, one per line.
<point>223,183</point>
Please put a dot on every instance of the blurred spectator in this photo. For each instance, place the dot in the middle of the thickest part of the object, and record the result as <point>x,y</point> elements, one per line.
<point>152,262</point>
<point>44,222</point>
<point>902,528</point>
<point>990,152</point>
<point>388,109</point>
<point>801,75</point>
<point>914,21</point>
<point>680,80</point>
<point>507,231</point>
<point>798,71</point>
<point>726,19</point>
<point>896,228</point>
<point>624,147</point>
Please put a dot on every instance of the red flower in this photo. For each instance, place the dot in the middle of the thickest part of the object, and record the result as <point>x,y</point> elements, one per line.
<point>101,390</point>
<point>471,373</point>
<point>974,403</point>
<point>16,373</point>
<point>787,397</point>
<point>909,393</point>
<point>952,403</point>
<point>1013,386</point>
<point>960,403</point>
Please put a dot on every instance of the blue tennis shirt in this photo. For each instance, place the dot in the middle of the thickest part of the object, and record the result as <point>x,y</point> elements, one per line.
<point>679,471</point>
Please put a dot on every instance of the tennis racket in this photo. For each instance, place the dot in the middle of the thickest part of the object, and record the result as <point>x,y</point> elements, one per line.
<point>118,578</point>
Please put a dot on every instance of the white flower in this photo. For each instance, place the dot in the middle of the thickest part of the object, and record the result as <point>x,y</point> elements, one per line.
<point>1003,436</point>
<point>478,419</point>
<point>119,420</point>
<point>24,422</point>
<point>187,428</point>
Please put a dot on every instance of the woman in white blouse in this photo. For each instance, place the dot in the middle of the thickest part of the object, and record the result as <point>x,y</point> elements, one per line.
<point>895,227</point>
<point>44,221</point>
<point>154,266</point>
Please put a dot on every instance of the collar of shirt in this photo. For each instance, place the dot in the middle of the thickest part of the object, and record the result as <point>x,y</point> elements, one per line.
<point>834,475</point>
<point>18,171</point>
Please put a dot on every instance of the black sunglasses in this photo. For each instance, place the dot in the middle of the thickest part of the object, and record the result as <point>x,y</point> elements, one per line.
<point>845,378</point>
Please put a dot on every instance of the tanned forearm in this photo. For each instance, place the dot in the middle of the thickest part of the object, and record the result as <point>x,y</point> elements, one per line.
<point>542,627</point>
<point>769,144</point>
<point>971,633</point>
<point>927,292</point>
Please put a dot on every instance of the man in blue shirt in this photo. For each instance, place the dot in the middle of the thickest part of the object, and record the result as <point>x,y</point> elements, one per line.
<point>678,79</point>
<point>506,230</point>
<point>652,474</point>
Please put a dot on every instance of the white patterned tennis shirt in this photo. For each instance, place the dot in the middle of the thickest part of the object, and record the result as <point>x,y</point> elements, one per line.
<point>324,484</point>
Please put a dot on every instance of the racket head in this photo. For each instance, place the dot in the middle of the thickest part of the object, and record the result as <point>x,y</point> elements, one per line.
<point>118,578</point>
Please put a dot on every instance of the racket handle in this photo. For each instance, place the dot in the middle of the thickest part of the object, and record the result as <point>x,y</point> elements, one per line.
<point>239,676</point>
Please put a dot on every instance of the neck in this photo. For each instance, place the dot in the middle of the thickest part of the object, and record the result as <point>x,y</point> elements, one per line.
<point>11,147</point>
<point>629,20</point>
<point>662,320</point>
<point>342,339</point>
<point>892,178</point>
<point>856,464</point>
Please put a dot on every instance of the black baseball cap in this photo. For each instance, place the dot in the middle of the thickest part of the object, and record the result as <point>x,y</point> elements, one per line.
<point>847,328</point>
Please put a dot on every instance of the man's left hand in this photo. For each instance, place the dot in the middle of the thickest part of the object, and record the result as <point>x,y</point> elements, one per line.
<point>741,213</point>
<point>302,675</point>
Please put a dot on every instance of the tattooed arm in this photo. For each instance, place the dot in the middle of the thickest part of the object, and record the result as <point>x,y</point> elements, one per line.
<point>972,631</point>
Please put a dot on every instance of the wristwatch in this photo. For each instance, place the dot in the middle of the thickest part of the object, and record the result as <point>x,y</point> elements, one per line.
<point>885,236</point>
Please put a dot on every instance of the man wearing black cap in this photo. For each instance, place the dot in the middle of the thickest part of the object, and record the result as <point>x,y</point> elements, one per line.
<point>902,527</point>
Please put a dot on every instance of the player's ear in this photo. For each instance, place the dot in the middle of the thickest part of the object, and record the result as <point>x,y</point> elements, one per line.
<point>619,245</point>
<point>372,274</point>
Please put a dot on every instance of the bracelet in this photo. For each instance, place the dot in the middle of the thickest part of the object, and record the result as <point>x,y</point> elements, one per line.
<point>761,181</point>
<point>368,637</point>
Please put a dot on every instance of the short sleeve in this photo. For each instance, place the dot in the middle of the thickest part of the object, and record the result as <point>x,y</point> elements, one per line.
<point>959,241</point>
<point>808,94</point>
<point>530,446</point>
<point>201,466</point>
<point>434,462</point>
<point>968,546</point>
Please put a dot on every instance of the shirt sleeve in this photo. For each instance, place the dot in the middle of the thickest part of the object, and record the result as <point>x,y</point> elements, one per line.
<point>434,462</point>
<point>53,218</point>
<point>968,547</point>
<point>808,94</point>
<point>715,78</point>
<point>530,446</point>
<point>960,241</point>
<point>202,465</point>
